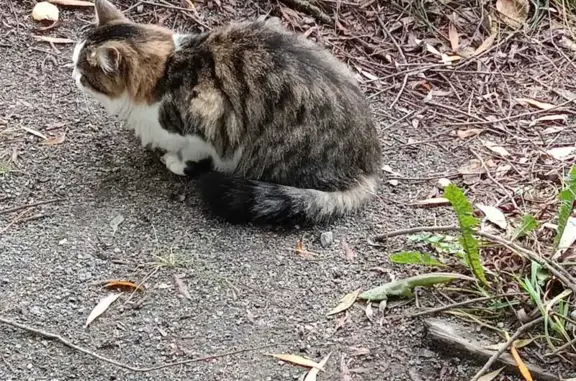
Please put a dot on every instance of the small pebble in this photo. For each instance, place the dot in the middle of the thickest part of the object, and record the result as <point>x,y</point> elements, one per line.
<point>326,239</point>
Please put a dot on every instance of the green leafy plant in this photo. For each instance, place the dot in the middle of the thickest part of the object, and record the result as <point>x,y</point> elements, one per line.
<point>415,258</point>
<point>467,223</point>
<point>527,225</point>
<point>567,197</point>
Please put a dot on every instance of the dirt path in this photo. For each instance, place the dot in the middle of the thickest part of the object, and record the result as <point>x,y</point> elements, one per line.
<point>247,287</point>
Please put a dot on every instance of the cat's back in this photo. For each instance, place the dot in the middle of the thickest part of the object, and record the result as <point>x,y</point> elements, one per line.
<point>257,49</point>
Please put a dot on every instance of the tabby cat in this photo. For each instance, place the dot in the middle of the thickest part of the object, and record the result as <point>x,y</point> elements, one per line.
<point>273,127</point>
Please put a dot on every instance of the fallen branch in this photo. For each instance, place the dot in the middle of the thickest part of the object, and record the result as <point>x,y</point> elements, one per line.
<point>451,338</point>
<point>53,336</point>
<point>460,304</point>
<point>17,208</point>
<point>312,10</point>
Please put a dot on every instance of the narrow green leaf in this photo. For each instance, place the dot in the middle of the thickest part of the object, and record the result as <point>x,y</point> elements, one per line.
<point>415,258</point>
<point>527,224</point>
<point>467,222</point>
<point>404,287</point>
<point>567,197</point>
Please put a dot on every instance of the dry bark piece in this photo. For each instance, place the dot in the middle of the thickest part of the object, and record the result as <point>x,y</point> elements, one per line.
<point>72,3</point>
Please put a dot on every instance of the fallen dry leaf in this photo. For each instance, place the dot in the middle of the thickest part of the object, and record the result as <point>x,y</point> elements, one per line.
<point>550,118</point>
<point>496,148</point>
<point>515,12</point>
<point>553,130</point>
<point>355,351</point>
<point>465,134</point>
<point>443,182</point>
<point>101,307</point>
<point>562,153</point>
<point>72,3</point>
<point>115,223</point>
<point>312,375</point>
<point>535,103</point>
<point>346,302</point>
<point>568,235</point>
<point>387,168</point>
<point>432,202</point>
<point>297,360</point>
<point>344,371</point>
<point>34,132</point>
<point>494,215</point>
<point>486,44</point>
<point>55,140</point>
<point>348,252</point>
<point>454,37</point>
<point>369,311</point>
<point>492,375</point>
<point>43,11</point>
<point>182,288</point>
<point>123,285</point>
<point>54,40</point>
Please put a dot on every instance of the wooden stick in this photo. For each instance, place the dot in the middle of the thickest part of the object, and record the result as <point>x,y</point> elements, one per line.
<point>17,208</point>
<point>53,336</point>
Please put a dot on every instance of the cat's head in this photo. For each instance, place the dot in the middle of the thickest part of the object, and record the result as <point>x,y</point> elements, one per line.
<point>117,59</point>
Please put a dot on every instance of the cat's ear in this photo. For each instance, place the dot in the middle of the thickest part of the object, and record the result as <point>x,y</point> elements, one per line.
<point>106,12</point>
<point>108,58</point>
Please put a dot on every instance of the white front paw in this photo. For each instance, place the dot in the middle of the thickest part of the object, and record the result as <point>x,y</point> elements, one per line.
<point>174,163</point>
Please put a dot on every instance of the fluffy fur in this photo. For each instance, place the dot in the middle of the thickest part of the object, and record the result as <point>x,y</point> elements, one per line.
<point>274,128</point>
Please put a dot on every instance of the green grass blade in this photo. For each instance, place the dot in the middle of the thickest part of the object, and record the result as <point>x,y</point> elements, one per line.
<point>567,197</point>
<point>467,222</point>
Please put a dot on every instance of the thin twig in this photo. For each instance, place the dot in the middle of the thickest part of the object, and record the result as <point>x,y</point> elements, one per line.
<point>514,117</point>
<point>17,208</point>
<point>505,347</point>
<point>49,335</point>
<point>460,304</point>
<point>400,92</point>
<point>390,36</point>
<point>510,196</point>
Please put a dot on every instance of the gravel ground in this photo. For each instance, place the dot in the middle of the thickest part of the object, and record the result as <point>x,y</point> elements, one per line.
<point>247,286</point>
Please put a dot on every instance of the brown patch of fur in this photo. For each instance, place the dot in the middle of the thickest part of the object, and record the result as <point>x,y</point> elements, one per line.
<point>141,63</point>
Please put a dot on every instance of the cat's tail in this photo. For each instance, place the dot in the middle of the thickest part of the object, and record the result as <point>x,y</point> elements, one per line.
<point>240,200</point>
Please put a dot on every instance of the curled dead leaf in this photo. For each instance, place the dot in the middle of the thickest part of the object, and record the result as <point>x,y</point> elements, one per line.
<point>496,148</point>
<point>514,12</point>
<point>536,103</point>
<point>494,215</point>
<point>55,140</point>
<point>123,285</point>
<point>471,132</point>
